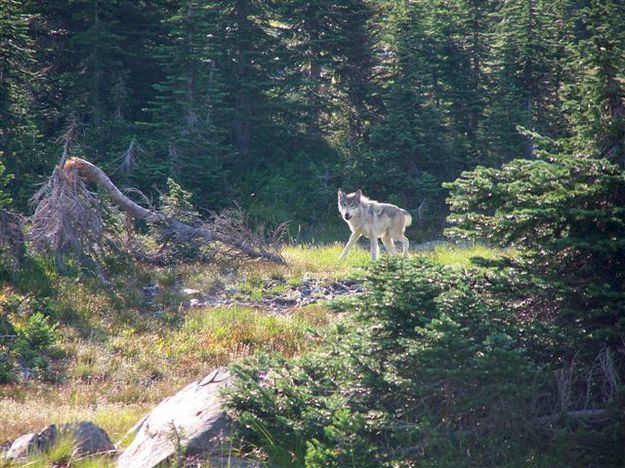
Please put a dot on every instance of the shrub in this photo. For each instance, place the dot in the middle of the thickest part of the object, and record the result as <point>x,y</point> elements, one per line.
<point>428,367</point>
<point>565,215</point>
<point>24,343</point>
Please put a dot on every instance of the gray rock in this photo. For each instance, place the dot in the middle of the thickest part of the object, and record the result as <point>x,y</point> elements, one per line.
<point>32,442</point>
<point>191,421</point>
<point>23,446</point>
<point>88,439</point>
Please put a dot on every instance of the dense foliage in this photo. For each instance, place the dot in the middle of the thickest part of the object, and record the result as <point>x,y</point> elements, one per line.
<point>276,104</point>
<point>436,367</point>
<point>566,215</point>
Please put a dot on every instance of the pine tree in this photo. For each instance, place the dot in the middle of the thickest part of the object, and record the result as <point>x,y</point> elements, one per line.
<point>19,136</point>
<point>595,99</point>
<point>100,67</point>
<point>250,61</point>
<point>186,141</point>
<point>330,63</point>
<point>526,75</point>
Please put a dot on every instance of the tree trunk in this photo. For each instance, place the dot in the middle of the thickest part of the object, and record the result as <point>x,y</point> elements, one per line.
<point>172,227</point>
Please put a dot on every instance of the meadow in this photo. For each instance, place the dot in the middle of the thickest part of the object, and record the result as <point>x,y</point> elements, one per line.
<point>117,351</point>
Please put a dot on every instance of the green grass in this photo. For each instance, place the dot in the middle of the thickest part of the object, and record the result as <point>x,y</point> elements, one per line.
<point>121,354</point>
<point>323,261</point>
<point>221,334</point>
<point>450,255</point>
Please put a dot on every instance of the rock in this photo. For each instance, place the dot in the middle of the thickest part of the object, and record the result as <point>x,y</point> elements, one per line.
<point>32,442</point>
<point>23,446</point>
<point>88,439</point>
<point>193,420</point>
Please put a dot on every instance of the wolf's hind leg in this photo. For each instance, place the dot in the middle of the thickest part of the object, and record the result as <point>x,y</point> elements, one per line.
<point>375,249</point>
<point>405,244</point>
<point>389,244</point>
<point>350,243</point>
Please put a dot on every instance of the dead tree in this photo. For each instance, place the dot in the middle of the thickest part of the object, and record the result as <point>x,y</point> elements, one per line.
<point>67,218</point>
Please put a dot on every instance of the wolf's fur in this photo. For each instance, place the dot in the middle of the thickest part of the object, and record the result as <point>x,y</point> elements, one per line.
<point>373,219</point>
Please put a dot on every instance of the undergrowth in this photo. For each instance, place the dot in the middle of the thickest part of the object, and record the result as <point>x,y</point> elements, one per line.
<point>107,353</point>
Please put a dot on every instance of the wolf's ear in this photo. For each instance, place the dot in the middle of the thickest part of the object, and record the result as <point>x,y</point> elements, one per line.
<point>358,193</point>
<point>341,194</point>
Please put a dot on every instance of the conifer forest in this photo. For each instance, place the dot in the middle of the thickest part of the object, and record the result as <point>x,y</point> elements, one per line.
<point>169,172</point>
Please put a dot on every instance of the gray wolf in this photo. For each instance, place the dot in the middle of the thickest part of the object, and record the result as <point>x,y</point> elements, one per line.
<point>374,220</point>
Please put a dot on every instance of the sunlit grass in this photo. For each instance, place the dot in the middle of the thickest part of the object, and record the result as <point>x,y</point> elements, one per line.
<point>323,261</point>
<point>123,354</point>
<point>60,405</point>
<point>224,333</point>
<point>450,255</point>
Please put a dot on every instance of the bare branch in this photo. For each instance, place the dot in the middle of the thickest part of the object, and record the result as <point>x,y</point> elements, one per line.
<point>67,218</point>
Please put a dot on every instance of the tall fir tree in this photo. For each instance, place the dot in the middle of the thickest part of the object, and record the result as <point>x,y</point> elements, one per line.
<point>186,142</point>
<point>527,74</point>
<point>595,97</point>
<point>20,143</point>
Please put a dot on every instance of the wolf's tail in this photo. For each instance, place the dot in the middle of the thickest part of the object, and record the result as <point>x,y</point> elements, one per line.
<point>408,218</point>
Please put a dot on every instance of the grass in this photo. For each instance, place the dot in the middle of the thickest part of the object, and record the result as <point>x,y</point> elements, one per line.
<point>121,351</point>
<point>33,410</point>
<point>450,255</point>
<point>324,262</point>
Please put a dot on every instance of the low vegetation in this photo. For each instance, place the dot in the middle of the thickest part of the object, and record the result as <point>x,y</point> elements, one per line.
<point>73,350</point>
<point>509,359</point>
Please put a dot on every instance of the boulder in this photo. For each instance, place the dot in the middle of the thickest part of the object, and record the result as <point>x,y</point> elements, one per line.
<point>88,439</point>
<point>32,442</point>
<point>191,421</point>
<point>23,446</point>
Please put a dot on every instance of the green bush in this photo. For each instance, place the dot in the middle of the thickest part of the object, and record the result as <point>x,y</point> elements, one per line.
<point>427,369</point>
<point>24,344</point>
<point>565,215</point>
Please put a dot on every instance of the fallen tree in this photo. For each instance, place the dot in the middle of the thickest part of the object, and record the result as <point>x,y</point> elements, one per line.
<point>68,219</point>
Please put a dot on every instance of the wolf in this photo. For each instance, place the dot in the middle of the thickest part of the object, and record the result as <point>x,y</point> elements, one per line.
<point>373,219</point>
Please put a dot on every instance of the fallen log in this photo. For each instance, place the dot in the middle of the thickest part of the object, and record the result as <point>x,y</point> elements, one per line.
<point>67,217</point>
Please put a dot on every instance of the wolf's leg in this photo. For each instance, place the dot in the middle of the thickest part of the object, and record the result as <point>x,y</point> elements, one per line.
<point>389,244</point>
<point>350,243</point>
<point>374,248</point>
<point>405,244</point>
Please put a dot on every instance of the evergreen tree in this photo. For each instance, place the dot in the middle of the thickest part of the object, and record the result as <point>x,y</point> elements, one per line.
<point>186,141</point>
<point>331,57</point>
<point>100,67</point>
<point>564,214</point>
<point>595,100</point>
<point>19,136</point>
<point>526,76</point>
<point>250,62</point>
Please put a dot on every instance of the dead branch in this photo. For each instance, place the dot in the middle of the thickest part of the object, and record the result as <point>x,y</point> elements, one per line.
<point>67,218</point>
<point>131,157</point>
<point>577,414</point>
<point>97,176</point>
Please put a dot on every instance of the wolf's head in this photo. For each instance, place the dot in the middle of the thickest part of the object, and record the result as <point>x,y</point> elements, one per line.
<point>349,203</point>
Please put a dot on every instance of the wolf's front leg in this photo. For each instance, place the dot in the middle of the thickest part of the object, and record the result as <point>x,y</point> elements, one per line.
<point>350,243</point>
<point>375,249</point>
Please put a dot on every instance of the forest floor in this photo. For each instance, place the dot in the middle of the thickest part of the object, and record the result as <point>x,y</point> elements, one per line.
<point>123,347</point>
